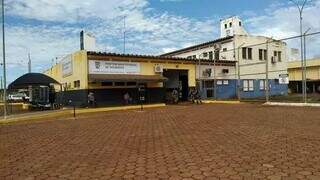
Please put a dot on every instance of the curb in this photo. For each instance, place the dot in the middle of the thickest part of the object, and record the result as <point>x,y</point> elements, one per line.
<point>24,117</point>
<point>291,104</point>
<point>220,102</point>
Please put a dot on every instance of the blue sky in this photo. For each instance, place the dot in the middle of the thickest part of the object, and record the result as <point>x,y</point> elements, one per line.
<point>50,29</point>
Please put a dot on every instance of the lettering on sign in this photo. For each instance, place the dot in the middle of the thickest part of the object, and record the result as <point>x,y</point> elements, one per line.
<point>66,64</point>
<point>113,67</point>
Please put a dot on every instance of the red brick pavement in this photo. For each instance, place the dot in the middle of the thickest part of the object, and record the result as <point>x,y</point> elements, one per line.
<point>176,142</point>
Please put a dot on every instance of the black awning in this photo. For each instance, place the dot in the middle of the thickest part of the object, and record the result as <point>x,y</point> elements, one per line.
<point>32,79</point>
<point>126,78</point>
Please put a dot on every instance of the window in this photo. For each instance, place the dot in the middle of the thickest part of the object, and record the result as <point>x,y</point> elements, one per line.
<point>205,54</point>
<point>230,24</point>
<point>209,84</point>
<point>225,26</point>
<point>219,82</point>
<point>251,85</point>
<point>211,55</point>
<point>245,85</point>
<point>189,57</point>
<point>263,85</point>
<point>131,84</point>
<point>247,53</point>
<point>262,54</point>
<point>76,84</point>
<point>279,56</point>
<point>119,84</point>
<point>225,49</point>
<point>216,55</point>
<point>225,82</point>
<point>250,53</point>
<point>244,53</point>
<point>248,85</point>
<point>106,84</point>
<point>240,24</point>
<point>194,57</point>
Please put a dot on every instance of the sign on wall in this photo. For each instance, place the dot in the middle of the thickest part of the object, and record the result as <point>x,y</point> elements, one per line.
<point>113,67</point>
<point>283,79</point>
<point>66,64</point>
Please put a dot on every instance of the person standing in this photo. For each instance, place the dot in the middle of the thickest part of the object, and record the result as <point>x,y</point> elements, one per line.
<point>126,98</point>
<point>91,100</point>
<point>175,96</point>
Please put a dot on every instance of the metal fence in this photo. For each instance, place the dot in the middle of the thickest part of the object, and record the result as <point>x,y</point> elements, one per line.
<point>293,76</point>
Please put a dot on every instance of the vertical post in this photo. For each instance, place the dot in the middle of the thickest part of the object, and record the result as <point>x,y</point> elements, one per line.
<point>302,60</point>
<point>214,78</point>
<point>305,68</point>
<point>267,74</point>
<point>4,65</point>
<point>124,34</point>
<point>303,83</point>
<point>29,63</point>
<point>199,73</point>
<point>74,111</point>
<point>238,81</point>
<point>29,71</point>
<point>238,70</point>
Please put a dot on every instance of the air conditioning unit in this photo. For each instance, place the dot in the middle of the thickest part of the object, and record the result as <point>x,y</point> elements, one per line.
<point>223,57</point>
<point>273,60</point>
<point>225,71</point>
<point>158,68</point>
<point>207,72</point>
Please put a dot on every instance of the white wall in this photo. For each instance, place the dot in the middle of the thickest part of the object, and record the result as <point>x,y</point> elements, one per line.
<point>218,72</point>
<point>228,55</point>
<point>232,26</point>
<point>249,69</point>
<point>255,68</point>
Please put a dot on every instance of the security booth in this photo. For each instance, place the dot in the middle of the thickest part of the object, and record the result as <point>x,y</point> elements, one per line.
<point>41,90</point>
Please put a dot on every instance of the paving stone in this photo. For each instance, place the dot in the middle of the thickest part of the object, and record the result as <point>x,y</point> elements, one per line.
<point>245,141</point>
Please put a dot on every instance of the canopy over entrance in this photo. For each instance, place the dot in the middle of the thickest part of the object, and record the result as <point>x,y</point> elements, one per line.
<point>32,79</point>
<point>125,78</point>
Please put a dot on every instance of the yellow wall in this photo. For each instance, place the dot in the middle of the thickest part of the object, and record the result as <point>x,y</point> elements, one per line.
<point>79,71</point>
<point>313,70</point>
<point>147,68</point>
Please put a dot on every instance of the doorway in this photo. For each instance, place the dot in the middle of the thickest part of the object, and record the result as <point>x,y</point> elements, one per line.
<point>179,80</point>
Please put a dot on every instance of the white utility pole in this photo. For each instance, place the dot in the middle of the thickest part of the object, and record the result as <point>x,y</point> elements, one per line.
<point>124,34</point>
<point>4,65</point>
<point>238,73</point>
<point>29,63</point>
<point>303,75</point>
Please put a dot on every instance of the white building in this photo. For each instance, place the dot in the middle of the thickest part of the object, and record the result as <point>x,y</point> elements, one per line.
<point>251,53</point>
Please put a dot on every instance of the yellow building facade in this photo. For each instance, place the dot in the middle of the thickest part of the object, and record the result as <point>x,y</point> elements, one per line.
<point>109,76</point>
<point>312,74</point>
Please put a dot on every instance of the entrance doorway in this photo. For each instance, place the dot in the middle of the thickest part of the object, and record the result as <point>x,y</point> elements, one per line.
<point>177,79</point>
<point>209,88</point>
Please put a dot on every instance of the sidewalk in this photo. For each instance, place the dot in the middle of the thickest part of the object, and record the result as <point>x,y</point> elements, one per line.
<point>292,104</point>
<point>220,102</point>
<point>69,111</point>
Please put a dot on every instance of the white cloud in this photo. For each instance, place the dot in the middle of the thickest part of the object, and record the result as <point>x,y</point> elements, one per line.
<point>283,21</point>
<point>52,28</point>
